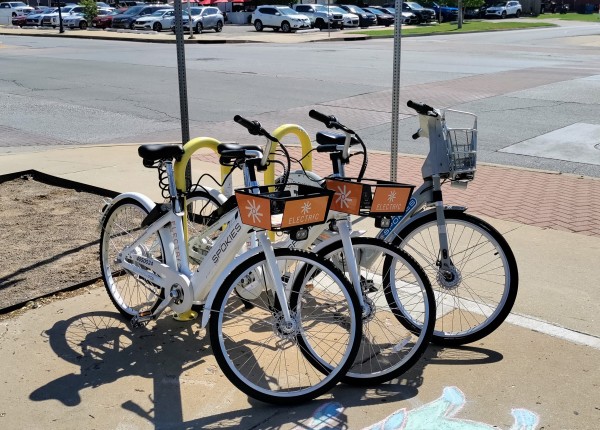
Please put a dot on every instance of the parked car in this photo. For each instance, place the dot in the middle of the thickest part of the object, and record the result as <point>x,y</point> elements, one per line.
<point>36,18</point>
<point>320,17</point>
<point>204,18</point>
<point>348,19</point>
<point>18,8</point>
<point>278,17</point>
<point>78,20</point>
<point>126,19</point>
<point>442,13</point>
<point>159,20</point>
<point>424,15</point>
<point>383,18</point>
<point>105,21</point>
<point>504,9</point>
<point>474,12</point>
<point>407,17</point>
<point>53,19</point>
<point>19,20</point>
<point>366,19</point>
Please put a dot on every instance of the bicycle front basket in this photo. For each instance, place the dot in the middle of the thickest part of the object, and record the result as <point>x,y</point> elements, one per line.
<point>283,210</point>
<point>462,150</point>
<point>369,197</point>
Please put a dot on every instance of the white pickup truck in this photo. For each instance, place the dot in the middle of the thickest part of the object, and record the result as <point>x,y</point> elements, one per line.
<point>320,16</point>
<point>10,9</point>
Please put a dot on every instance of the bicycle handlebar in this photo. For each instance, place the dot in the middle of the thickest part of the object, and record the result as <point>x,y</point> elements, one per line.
<point>329,120</point>
<point>422,108</point>
<point>256,129</point>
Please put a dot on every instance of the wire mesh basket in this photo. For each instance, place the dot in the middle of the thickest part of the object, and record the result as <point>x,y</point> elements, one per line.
<point>461,144</point>
<point>288,209</point>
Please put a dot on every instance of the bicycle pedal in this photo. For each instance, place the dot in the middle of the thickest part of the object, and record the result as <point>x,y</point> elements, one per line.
<point>141,320</point>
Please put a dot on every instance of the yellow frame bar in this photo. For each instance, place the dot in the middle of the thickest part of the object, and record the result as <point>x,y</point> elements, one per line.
<point>180,166</point>
<point>304,139</point>
<point>188,150</point>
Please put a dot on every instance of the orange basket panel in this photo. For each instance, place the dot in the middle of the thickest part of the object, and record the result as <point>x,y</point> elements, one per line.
<point>255,210</point>
<point>390,199</point>
<point>307,211</point>
<point>347,196</point>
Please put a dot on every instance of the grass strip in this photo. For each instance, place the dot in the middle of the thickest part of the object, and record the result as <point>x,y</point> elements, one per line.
<point>451,28</point>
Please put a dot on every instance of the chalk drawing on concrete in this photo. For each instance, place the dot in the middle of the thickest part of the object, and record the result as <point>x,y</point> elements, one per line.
<point>438,414</point>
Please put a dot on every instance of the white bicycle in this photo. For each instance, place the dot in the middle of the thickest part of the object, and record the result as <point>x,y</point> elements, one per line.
<point>296,331</point>
<point>390,285</point>
<point>470,265</point>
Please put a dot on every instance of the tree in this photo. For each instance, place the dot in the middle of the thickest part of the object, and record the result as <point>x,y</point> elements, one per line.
<point>90,10</point>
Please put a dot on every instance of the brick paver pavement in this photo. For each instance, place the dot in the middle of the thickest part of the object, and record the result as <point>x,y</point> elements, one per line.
<point>543,199</point>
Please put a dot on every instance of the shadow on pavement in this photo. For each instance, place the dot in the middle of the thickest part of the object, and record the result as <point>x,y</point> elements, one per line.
<point>105,349</point>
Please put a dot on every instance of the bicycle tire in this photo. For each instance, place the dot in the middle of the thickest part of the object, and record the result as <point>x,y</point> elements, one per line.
<point>121,226</point>
<point>268,360</point>
<point>391,280</point>
<point>466,310</point>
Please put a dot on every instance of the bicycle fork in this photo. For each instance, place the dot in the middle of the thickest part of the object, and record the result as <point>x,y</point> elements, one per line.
<point>448,275</point>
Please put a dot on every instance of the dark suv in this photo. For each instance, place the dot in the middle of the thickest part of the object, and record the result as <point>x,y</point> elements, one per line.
<point>423,14</point>
<point>127,18</point>
<point>365,19</point>
<point>442,13</point>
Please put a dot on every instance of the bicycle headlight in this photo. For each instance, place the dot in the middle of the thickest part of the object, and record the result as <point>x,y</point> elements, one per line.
<point>300,234</point>
<point>383,222</point>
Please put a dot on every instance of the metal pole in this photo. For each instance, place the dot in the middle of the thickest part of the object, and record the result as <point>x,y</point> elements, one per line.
<point>190,21</point>
<point>396,91</point>
<point>183,99</point>
<point>61,28</point>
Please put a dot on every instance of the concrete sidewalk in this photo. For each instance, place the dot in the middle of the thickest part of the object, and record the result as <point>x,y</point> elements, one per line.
<point>73,363</point>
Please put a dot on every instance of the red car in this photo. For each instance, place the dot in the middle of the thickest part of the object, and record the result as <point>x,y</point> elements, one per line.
<point>19,20</point>
<point>105,21</point>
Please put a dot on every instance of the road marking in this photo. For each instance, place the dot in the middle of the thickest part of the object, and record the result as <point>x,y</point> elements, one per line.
<point>575,142</point>
<point>554,330</point>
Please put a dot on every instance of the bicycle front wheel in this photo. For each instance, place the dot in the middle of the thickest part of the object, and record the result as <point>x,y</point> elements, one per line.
<point>394,288</point>
<point>122,226</point>
<point>479,294</point>
<point>269,358</point>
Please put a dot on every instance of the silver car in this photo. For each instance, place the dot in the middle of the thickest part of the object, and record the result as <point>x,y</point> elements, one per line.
<point>204,18</point>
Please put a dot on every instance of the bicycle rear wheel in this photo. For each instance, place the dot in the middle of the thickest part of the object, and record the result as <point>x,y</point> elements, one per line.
<point>270,360</point>
<point>121,227</point>
<point>394,288</point>
<point>480,294</point>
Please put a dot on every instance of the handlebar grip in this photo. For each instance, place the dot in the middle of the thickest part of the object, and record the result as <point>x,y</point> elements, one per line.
<point>253,127</point>
<point>325,119</point>
<point>421,108</point>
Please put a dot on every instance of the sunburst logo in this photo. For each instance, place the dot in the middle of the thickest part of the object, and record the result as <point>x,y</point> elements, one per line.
<point>306,208</point>
<point>343,196</point>
<point>254,211</point>
<point>391,196</point>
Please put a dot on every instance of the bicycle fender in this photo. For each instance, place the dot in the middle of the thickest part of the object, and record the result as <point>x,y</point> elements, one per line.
<point>420,215</point>
<point>335,238</point>
<point>219,282</point>
<point>216,194</point>
<point>141,198</point>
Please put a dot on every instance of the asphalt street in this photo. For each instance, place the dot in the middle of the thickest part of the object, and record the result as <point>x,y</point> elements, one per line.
<point>526,87</point>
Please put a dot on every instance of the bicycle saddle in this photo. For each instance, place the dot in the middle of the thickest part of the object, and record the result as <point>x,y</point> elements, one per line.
<point>233,151</point>
<point>154,152</point>
<point>333,138</point>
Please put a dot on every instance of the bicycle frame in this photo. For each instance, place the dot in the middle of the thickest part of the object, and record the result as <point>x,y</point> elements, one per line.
<point>179,285</point>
